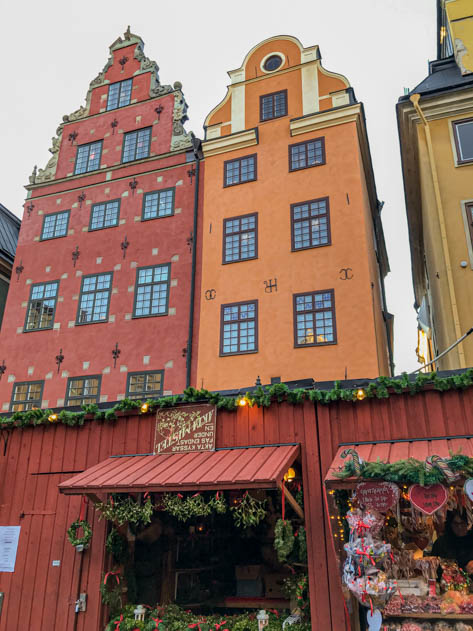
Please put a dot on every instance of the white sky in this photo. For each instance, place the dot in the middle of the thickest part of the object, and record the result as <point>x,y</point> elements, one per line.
<point>52,50</point>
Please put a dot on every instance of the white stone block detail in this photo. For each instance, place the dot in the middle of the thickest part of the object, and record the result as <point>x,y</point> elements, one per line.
<point>133,264</point>
<point>131,289</point>
<point>106,370</point>
<point>24,304</point>
<point>57,326</point>
<point>75,204</point>
<point>11,378</point>
<point>103,398</point>
<point>60,299</point>
<point>58,200</point>
<point>117,267</point>
<point>122,221</point>
<point>107,190</point>
<point>45,403</point>
<point>167,393</point>
<point>30,370</point>
<point>172,311</point>
<point>179,183</point>
<point>115,290</point>
<point>108,176</point>
<point>137,218</point>
<point>60,403</point>
<point>125,194</point>
<point>85,228</point>
<point>98,260</point>
<point>49,375</point>
<point>71,232</point>
<point>65,374</point>
<point>120,397</point>
<point>146,359</point>
<point>85,365</point>
<point>5,407</point>
<point>71,324</point>
<point>65,275</point>
<point>123,368</point>
<point>40,212</point>
<point>159,178</point>
<point>111,318</point>
<point>154,251</point>
<point>174,258</point>
<point>29,281</point>
<point>127,316</point>
<point>78,272</point>
<point>174,282</point>
<point>36,239</point>
<point>47,268</point>
<point>169,364</point>
<point>19,329</point>
<point>177,211</point>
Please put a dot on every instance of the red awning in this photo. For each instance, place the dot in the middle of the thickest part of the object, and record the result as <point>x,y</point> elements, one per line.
<point>391,451</point>
<point>248,467</point>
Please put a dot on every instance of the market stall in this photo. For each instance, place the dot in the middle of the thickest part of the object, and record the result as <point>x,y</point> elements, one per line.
<point>401,517</point>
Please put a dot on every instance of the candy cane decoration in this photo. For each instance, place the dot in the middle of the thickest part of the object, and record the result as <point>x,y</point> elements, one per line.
<point>441,464</point>
<point>355,459</point>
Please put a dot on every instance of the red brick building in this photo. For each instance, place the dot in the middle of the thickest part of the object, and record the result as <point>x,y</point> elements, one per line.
<point>103,295</point>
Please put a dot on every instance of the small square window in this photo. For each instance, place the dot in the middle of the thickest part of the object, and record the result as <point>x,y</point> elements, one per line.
<point>145,385</point>
<point>104,215</point>
<point>310,224</point>
<point>239,328</point>
<point>136,145</point>
<point>55,225</point>
<point>26,396</point>
<point>94,299</point>
<point>314,319</point>
<point>310,153</point>
<point>88,157</point>
<point>158,204</point>
<point>119,94</point>
<point>240,238</point>
<point>463,133</point>
<point>273,105</point>
<point>152,291</point>
<point>239,171</point>
<point>83,390</point>
<point>41,306</point>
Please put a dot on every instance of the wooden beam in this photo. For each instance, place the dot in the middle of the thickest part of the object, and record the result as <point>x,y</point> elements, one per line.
<point>93,498</point>
<point>290,498</point>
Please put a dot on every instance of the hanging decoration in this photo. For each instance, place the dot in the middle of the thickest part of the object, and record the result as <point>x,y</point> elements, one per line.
<point>111,591</point>
<point>117,546</point>
<point>380,496</point>
<point>249,511</point>
<point>468,488</point>
<point>301,538</point>
<point>72,533</point>
<point>185,508</point>
<point>122,510</point>
<point>283,539</point>
<point>428,499</point>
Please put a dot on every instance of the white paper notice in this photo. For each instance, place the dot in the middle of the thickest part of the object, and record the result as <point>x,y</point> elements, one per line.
<point>9,536</point>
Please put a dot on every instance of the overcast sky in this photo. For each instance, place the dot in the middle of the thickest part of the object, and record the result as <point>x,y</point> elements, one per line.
<point>52,50</point>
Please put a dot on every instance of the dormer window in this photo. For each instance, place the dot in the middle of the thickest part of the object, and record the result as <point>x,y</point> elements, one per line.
<point>119,94</point>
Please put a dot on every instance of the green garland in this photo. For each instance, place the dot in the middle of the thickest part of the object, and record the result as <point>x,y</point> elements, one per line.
<point>297,588</point>
<point>283,539</point>
<point>111,591</point>
<point>86,537</point>
<point>380,388</point>
<point>249,511</point>
<point>125,510</point>
<point>117,546</point>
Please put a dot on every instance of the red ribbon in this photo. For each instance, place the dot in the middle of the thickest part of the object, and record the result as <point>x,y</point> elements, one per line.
<point>117,623</point>
<point>83,507</point>
<point>218,625</point>
<point>115,574</point>
<point>282,499</point>
<point>157,620</point>
<point>180,496</point>
<point>371,607</point>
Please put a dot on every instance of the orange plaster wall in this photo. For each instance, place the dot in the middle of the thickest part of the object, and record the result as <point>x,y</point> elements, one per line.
<point>329,84</point>
<point>223,114</point>
<point>289,49</point>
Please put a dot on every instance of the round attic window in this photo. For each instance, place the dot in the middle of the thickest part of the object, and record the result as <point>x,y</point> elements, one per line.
<point>272,63</point>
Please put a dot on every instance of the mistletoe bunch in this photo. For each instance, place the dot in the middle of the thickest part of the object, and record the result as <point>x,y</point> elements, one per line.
<point>249,511</point>
<point>122,510</point>
<point>184,508</point>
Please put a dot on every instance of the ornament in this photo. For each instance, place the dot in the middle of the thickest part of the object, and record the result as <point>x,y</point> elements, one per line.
<point>468,489</point>
<point>428,499</point>
<point>380,496</point>
<point>374,620</point>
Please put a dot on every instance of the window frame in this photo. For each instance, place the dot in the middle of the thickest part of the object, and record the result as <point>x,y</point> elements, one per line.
<point>151,315</point>
<point>61,236</point>
<point>295,221</point>
<point>110,109</point>
<point>251,155</point>
<point>67,402</point>
<point>456,139</point>
<point>249,258</point>
<point>109,201</point>
<point>272,94</point>
<point>314,311</point>
<point>306,142</point>
<point>153,393</point>
<point>159,191</point>
<point>222,322</point>
<point>43,328</point>
<point>88,144</point>
<point>136,131</point>
<point>78,323</point>
<point>24,383</point>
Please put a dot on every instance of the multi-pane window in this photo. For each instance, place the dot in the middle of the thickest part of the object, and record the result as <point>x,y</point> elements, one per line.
<point>55,225</point>
<point>310,224</point>
<point>88,157</point>
<point>240,170</point>
<point>306,154</point>
<point>314,318</point>
<point>144,385</point>
<point>26,396</point>
<point>463,132</point>
<point>240,238</point>
<point>469,219</point>
<point>83,390</point>
<point>136,145</point>
<point>41,306</point>
<point>152,291</point>
<point>273,105</point>
<point>119,94</point>
<point>94,298</point>
<point>158,204</point>
<point>239,331</point>
<point>104,215</point>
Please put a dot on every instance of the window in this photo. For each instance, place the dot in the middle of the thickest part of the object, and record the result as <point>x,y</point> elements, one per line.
<point>55,225</point>
<point>306,154</point>
<point>26,396</point>
<point>469,219</point>
<point>310,224</point>
<point>239,332</point>
<point>152,291</point>
<point>136,145</point>
<point>88,157</point>
<point>273,105</point>
<point>41,306</point>
<point>240,238</point>
<point>119,94</point>
<point>239,171</point>
<point>104,215</point>
<point>158,204</point>
<point>314,318</point>
<point>463,133</point>
<point>144,385</point>
<point>272,63</point>
<point>94,298</point>
<point>83,390</point>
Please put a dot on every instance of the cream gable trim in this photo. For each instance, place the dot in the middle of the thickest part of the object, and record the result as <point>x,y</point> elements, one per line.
<point>325,119</point>
<point>335,75</point>
<point>238,108</point>
<point>244,139</point>
<point>310,88</point>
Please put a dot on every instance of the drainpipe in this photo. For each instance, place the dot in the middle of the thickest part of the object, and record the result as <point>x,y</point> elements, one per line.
<point>196,144</point>
<point>443,232</point>
<point>383,298</point>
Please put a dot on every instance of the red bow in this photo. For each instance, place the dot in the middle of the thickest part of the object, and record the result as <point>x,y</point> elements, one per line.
<point>217,625</point>
<point>115,574</point>
<point>117,623</point>
<point>157,620</point>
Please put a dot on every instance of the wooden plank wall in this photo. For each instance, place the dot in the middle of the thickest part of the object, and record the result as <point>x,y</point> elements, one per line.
<point>40,597</point>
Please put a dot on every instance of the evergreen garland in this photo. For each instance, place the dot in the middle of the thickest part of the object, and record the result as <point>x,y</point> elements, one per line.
<point>111,591</point>
<point>380,388</point>
<point>283,539</point>
<point>87,533</point>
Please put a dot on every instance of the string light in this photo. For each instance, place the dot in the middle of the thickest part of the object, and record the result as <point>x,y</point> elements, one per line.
<point>52,418</point>
<point>360,394</point>
<point>144,408</point>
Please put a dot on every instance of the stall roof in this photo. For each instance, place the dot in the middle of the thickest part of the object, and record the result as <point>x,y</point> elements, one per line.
<point>247,467</point>
<point>391,451</point>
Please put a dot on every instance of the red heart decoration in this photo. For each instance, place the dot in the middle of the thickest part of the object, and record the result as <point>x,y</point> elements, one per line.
<point>428,499</point>
<point>380,496</point>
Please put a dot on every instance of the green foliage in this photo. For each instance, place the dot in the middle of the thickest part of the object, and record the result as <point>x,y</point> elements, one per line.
<point>283,539</point>
<point>111,591</point>
<point>297,588</point>
<point>117,546</point>
<point>249,511</point>
<point>302,544</point>
<point>184,508</point>
<point>75,527</point>
<point>122,510</point>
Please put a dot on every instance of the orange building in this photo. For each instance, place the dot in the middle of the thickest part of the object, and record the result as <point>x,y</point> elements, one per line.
<point>293,253</point>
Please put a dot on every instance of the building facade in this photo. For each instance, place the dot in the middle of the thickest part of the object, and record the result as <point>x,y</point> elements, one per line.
<point>9,229</point>
<point>106,248</point>
<point>293,255</point>
<point>436,136</point>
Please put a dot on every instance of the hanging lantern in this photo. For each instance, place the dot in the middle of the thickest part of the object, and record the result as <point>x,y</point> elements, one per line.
<point>289,475</point>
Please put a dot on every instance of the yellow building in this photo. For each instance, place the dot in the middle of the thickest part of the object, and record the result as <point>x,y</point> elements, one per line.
<point>436,135</point>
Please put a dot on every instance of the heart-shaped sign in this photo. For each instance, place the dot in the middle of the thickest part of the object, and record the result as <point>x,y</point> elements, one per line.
<point>428,499</point>
<point>380,496</point>
<point>468,489</point>
<point>374,620</point>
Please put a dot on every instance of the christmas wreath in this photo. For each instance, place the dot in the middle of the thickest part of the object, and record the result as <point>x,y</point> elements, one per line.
<point>283,539</point>
<point>86,537</point>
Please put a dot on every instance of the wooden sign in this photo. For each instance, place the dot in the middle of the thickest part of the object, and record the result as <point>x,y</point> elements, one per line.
<point>428,499</point>
<point>380,496</point>
<point>186,428</point>
<point>468,489</point>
